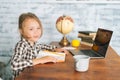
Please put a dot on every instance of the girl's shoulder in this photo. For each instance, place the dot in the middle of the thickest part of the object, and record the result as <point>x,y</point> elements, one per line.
<point>21,43</point>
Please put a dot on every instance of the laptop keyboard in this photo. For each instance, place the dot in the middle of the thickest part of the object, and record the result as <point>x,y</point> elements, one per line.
<point>90,53</point>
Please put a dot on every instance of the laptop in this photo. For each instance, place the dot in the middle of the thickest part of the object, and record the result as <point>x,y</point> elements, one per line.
<point>100,45</point>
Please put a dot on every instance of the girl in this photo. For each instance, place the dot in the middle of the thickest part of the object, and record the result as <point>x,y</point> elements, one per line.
<point>27,48</point>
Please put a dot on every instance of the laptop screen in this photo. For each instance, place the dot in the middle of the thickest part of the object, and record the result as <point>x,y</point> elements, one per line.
<point>101,41</point>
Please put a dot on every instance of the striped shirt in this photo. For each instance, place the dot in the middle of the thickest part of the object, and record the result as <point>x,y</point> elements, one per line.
<point>24,53</point>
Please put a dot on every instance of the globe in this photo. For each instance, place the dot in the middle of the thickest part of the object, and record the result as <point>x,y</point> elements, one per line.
<point>64,25</point>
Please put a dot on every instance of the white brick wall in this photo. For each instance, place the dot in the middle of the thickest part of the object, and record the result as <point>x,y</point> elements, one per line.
<point>87,16</point>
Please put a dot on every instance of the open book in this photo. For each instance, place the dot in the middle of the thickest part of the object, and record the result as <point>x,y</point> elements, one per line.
<point>58,55</point>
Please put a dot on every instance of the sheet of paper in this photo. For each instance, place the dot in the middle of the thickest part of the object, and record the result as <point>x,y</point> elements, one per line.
<point>69,48</point>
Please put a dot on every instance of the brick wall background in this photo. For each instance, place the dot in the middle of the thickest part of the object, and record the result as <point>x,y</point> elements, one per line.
<point>87,16</point>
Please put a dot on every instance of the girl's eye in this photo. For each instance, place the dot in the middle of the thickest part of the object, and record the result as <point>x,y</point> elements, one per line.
<point>38,28</point>
<point>31,29</point>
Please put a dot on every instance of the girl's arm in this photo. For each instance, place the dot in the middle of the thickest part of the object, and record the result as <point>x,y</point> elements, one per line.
<point>18,63</point>
<point>44,60</point>
<point>46,47</point>
<point>51,48</point>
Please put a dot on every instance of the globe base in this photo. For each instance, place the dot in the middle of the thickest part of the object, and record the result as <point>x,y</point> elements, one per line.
<point>64,42</point>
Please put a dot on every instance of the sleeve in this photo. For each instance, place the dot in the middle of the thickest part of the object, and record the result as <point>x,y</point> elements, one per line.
<point>46,47</point>
<point>18,63</point>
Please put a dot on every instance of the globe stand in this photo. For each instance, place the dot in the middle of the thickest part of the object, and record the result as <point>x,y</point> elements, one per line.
<point>64,41</point>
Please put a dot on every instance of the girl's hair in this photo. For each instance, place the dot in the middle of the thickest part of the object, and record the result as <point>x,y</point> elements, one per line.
<point>28,15</point>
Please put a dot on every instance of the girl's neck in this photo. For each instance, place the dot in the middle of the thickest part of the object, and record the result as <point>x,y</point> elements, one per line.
<point>31,43</point>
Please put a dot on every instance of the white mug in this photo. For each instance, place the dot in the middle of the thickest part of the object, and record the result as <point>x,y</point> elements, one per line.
<point>81,63</point>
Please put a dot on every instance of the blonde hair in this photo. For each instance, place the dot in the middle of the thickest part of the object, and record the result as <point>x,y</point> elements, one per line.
<point>28,15</point>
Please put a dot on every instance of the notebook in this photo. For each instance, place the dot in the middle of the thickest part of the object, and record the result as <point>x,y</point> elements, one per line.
<point>58,55</point>
<point>100,45</point>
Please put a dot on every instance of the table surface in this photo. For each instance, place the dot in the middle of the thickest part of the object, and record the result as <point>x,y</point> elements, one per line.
<point>99,69</point>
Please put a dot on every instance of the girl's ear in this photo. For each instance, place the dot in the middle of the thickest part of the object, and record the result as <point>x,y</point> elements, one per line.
<point>20,30</point>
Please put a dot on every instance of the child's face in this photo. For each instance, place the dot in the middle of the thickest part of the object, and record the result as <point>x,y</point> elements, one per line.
<point>31,30</point>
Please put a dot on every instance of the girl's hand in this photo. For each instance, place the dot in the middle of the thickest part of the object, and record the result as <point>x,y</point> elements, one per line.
<point>43,60</point>
<point>61,50</point>
<point>49,59</point>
